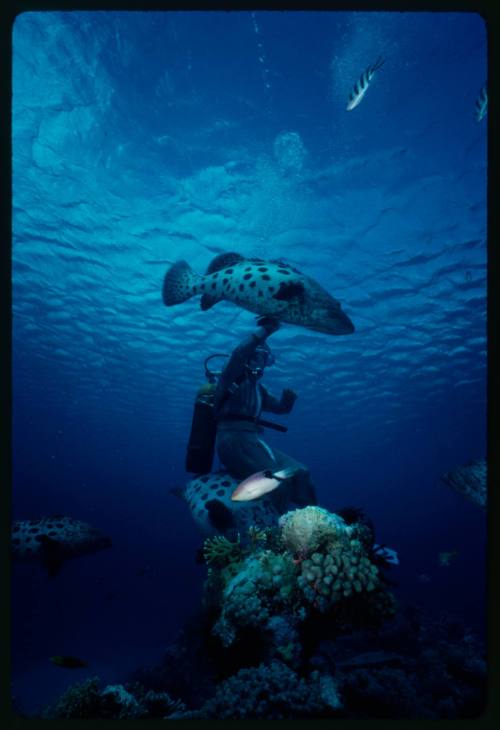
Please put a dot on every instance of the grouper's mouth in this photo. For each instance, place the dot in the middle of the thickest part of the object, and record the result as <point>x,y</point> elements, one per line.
<point>335,323</point>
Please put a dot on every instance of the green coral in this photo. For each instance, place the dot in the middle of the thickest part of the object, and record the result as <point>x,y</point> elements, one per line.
<point>221,551</point>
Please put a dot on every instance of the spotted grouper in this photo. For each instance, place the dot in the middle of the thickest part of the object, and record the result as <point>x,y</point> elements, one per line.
<point>52,540</point>
<point>208,496</point>
<point>270,288</point>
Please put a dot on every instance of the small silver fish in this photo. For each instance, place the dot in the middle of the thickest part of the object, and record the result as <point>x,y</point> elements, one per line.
<point>481,106</point>
<point>361,87</point>
<point>260,483</point>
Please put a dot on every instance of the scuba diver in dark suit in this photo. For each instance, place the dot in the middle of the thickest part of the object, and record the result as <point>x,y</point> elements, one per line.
<point>239,401</point>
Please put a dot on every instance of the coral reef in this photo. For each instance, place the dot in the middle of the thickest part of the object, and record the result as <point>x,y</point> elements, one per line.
<point>115,702</point>
<point>342,571</point>
<point>300,624</point>
<point>304,531</point>
<point>264,586</point>
<point>316,563</point>
<point>272,692</point>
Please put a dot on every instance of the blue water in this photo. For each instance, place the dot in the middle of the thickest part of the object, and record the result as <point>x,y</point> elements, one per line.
<point>143,138</point>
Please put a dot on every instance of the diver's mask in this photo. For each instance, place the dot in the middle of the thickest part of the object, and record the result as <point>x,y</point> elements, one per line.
<point>261,358</point>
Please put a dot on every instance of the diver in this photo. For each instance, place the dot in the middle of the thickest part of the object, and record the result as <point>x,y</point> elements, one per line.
<point>239,400</point>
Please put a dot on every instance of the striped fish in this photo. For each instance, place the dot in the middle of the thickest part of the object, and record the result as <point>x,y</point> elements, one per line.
<point>361,86</point>
<point>481,105</point>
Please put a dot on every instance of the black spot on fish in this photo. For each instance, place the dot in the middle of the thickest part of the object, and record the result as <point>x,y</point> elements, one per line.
<point>204,478</point>
<point>225,281</point>
<point>248,268</point>
<point>261,293</point>
<point>241,287</point>
<point>16,528</point>
<point>214,276</point>
<point>247,276</point>
<point>220,492</point>
<point>266,277</point>
<point>289,291</point>
<point>33,529</point>
<point>253,283</point>
<point>284,271</point>
<point>228,271</point>
<point>263,268</point>
<point>59,524</point>
<point>203,285</point>
<point>204,496</point>
<point>220,516</point>
<point>271,288</point>
<point>214,284</point>
<point>225,483</point>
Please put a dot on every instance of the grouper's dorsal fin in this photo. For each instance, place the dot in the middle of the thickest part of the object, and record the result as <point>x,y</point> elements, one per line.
<point>223,260</point>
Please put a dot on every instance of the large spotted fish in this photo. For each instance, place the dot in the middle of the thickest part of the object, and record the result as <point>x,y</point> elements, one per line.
<point>52,540</point>
<point>361,86</point>
<point>271,288</point>
<point>470,480</point>
<point>208,496</point>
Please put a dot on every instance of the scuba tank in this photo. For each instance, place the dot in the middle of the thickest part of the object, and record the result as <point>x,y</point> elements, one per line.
<point>201,444</point>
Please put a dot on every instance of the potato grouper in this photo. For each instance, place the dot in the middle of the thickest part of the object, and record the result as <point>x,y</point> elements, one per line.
<point>53,540</point>
<point>270,288</point>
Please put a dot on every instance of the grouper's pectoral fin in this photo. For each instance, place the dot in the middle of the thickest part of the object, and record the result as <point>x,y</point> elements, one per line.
<point>208,301</point>
<point>52,557</point>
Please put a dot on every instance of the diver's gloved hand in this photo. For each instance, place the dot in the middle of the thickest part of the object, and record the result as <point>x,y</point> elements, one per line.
<point>270,324</point>
<point>288,398</point>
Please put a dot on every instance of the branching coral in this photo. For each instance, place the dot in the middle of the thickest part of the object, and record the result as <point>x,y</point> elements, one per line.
<point>221,551</point>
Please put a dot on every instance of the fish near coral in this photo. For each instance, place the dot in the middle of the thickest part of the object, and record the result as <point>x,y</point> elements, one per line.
<point>208,497</point>
<point>268,288</point>
<point>53,540</point>
<point>262,482</point>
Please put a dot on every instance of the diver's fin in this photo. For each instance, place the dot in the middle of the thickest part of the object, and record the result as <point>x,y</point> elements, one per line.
<point>179,492</point>
<point>207,301</point>
<point>52,558</point>
<point>223,260</point>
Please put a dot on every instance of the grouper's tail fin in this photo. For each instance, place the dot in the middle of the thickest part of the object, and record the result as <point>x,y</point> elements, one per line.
<point>179,283</point>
